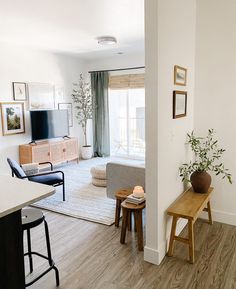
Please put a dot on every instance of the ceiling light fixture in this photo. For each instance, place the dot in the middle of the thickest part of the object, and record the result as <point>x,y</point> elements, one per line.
<point>106,40</point>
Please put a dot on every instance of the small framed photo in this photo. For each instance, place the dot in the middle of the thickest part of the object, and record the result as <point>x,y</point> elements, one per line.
<point>19,91</point>
<point>179,103</point>
<point>13,121</point>
<point>180,75</point>
<point>67,106</point>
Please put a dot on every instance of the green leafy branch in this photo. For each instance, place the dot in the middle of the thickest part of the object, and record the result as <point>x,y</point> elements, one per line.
<point>207,156</point>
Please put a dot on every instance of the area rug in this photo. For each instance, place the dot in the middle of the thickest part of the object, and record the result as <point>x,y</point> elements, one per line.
<point>83,200</point>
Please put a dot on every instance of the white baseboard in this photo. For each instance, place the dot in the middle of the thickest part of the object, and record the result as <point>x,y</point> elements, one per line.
<point>156,256</point>
<point>222,217</point>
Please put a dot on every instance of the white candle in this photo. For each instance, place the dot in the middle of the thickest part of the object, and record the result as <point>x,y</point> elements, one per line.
<point>138,192</point>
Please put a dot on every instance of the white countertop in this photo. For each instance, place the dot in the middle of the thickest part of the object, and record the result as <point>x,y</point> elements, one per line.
<point>16,194</point>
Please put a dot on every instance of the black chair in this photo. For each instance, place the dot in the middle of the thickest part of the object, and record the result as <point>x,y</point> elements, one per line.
<point>32,218</point>
<point>52,178</point>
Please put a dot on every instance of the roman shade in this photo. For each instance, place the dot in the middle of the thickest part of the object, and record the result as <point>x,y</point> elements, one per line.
<point>126,81</point>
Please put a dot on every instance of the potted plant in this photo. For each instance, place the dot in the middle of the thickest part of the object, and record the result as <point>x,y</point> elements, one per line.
<point>207,158</point>
<point>82,97</point>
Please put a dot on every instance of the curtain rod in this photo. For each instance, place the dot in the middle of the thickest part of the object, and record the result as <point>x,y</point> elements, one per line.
<point>118,69</point>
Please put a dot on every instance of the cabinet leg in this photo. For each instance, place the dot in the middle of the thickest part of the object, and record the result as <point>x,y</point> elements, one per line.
<point>172,235</point>
<point>191,241</point>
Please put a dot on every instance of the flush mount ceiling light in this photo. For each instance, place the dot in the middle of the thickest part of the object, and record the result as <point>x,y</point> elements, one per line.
<point>106,40</point>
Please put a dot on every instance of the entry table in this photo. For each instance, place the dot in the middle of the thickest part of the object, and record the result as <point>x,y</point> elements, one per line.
<point>188,206</point>
<point>14,195</point>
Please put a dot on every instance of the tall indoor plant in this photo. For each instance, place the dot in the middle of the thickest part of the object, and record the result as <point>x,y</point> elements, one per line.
<point>83,100</point>
<point>207,158</point>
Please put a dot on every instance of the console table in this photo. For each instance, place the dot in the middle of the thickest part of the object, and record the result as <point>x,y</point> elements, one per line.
<point>188,206</point>
<point>14,195</point>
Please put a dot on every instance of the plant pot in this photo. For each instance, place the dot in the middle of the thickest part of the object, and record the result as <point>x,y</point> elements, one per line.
<point>86,152</point>
<point>200,181</point>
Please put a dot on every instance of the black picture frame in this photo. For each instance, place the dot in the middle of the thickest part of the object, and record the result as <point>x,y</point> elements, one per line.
<point>179,104</point>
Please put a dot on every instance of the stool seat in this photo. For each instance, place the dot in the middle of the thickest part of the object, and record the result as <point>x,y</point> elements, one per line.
<point>31,218</point>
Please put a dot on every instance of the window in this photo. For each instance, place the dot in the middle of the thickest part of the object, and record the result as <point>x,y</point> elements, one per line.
<point>127,122</point>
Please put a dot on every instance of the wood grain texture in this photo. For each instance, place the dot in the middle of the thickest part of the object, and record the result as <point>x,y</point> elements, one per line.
<point>90,256</point>
<point>189,204</point>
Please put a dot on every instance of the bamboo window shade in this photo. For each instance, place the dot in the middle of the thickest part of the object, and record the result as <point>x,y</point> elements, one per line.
<point>126,81</point>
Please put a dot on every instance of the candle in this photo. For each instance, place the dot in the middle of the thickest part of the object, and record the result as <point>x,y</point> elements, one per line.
<point>138,192</point>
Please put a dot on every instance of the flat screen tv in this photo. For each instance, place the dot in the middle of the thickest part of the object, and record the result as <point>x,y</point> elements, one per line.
<point>47,124</point>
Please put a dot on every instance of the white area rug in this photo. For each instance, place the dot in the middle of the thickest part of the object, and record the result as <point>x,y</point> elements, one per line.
<point>83,200</point>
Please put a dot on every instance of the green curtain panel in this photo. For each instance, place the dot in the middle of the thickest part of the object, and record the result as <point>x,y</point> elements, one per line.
<point>101,137</point>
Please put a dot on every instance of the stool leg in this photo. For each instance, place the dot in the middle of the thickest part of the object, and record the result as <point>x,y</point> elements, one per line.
<point>50,254</point>
<point>117,216</point>
<point>209,212</point>
<point>124,225</point>
<point>129,216</point>
<point>191,241</point>
<point>139,228</point>
<point>29,251</point>
<point>172,235</point>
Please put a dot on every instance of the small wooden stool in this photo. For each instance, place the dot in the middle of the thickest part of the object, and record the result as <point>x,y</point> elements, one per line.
<point>127,209</point>
<point>121,195</point>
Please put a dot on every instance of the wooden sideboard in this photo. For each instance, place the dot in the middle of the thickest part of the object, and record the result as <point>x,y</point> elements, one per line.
<point>55,151</point>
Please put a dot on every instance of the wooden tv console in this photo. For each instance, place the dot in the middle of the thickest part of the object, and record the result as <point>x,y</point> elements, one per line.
<point>54,151</point>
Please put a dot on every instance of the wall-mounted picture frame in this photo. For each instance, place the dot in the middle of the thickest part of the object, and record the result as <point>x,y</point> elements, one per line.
<point>19,90</point>
<point>13,120</point>
<point>179,103</point>
<point>41,96</point>
<point>68,107</point>
<point>180,75</point>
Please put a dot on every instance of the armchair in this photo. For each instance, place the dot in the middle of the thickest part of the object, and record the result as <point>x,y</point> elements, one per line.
<point>52,178</point>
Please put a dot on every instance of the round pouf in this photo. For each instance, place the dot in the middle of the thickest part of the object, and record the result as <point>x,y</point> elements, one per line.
<point>99,176</point>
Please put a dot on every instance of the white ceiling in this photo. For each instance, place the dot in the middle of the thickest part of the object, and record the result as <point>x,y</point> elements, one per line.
<point>71,26</point>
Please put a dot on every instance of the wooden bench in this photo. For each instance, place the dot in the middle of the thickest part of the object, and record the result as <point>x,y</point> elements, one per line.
<point>189,206</point>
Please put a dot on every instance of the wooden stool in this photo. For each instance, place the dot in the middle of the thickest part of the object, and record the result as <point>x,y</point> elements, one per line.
<point>127,209</point>
<point>188,206</point>
<point>121,195</point>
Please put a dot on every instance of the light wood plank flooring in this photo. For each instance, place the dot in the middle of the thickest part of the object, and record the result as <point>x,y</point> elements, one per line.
<point>89,255</point>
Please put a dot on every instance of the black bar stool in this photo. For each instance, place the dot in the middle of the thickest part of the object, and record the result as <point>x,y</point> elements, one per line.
<point>30,219</point>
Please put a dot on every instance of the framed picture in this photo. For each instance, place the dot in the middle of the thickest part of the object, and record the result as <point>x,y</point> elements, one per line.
<point>13,121</point>
<point>180,75</point>
<point>41,96</point>
<point>67,106</point>
<point>19,90</point>
<point>179,103</point>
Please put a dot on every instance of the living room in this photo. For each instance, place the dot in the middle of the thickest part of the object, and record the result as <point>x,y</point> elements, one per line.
<point>184,34</point>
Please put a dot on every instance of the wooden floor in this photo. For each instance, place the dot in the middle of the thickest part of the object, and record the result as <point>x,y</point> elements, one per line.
<point>89,255</point>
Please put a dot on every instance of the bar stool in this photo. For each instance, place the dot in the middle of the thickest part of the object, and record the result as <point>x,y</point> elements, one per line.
<point>32,218</point>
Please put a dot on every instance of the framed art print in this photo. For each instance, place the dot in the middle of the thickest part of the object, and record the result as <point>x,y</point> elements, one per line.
<point>41,96</point>
<point>68,107</point>
<point>19,90</point>
<point>13,121</point>
<point>180,75</point>
<point>179,104</point>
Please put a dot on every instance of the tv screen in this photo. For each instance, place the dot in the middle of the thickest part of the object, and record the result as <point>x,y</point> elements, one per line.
<point>47,124</point>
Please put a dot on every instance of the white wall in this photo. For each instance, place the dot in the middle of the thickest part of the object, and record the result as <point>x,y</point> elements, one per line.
<point>170,40</point>
<point>215,99</point>
<point>26,65</point>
